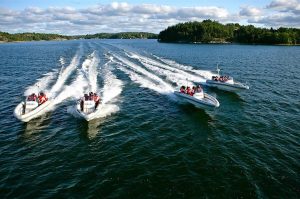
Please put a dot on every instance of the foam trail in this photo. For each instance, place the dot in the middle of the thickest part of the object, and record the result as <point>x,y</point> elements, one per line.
<point>204,73</point>
<point>62,61</point>
<point>66,72</point>
<point>145,73</point>
<point>178,76</point>
<point>42,83</point>
<point>111,89</point>
<point>89,68</point>
<point>112,86</point>
<point>75,90</point>
<point>77,87</point>
<point>142,81</point>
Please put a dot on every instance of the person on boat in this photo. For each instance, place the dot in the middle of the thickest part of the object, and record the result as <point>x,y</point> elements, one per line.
<point>188,90</point>
<point>42,98</point>
<point>182,89</point>
<point>199,89</point>
<point>193,91</point>
<point>32,97</point>
<point>91,96</point>
<point>96,100</point>
<point>85,97</point>
<point>82,99</point>
<point>81,104</point>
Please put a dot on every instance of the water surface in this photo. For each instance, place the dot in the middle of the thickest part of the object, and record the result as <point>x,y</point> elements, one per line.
<point>149,145</point>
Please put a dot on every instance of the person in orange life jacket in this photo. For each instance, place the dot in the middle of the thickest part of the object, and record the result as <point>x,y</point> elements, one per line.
<point>193,91</point>
<point>188,90</point>
<point>182,89</point>
<point>96,100</point>
<point>42,98</point>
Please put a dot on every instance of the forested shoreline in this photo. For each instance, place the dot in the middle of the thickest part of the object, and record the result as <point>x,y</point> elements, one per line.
<point>209,31</point>
<point>18,37</point>
<point>121,35</point>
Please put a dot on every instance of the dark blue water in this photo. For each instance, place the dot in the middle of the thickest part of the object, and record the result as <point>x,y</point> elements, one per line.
<point>152,146</point>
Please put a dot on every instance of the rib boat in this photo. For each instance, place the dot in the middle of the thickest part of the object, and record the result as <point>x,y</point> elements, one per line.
<point>199,99</point>
<point>226,83</point>
<point>28,109</point>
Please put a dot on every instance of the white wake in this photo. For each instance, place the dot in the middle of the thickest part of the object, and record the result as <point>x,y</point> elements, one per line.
<point>63,76</point>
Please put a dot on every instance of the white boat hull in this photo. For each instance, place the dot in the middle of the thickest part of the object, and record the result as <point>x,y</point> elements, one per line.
<point>233,87</point>
<point>89,116</point>
<point>40,110</point>
<point>207,101</point>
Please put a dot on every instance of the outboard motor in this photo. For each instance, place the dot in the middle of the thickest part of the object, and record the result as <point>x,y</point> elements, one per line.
<point>30,105</point>
<point>88,106</point>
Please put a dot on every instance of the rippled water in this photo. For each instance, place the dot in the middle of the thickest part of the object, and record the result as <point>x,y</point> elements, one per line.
<point>147,144</point>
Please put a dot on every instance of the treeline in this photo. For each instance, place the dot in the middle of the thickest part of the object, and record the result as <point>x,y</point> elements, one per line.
<point>122,35</point>
<point>209,31</point>
<point>6,37</point>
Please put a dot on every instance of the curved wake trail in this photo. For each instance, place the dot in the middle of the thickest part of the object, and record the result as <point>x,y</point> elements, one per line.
<point>145,83</point>
<point>111,89</point>
<point>112,85</point>
<point>66,72</point>
<point>178,76</point>
<point>75,90</point>
<point>142,81</point>
<point>174,75</point>
<point>204,73</point>
<point>86,80</point>
<point>137,69</point>
<point>42,83</point>
<point>89,68</point>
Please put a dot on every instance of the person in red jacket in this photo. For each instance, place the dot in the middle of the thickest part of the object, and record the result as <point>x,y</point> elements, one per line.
<point>188,90</point>
<point>96,100</point>
<point>42,98</point>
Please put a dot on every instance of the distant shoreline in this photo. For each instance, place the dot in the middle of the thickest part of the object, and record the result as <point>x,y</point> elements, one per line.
<point>179,42</point>
<point>23,37</point>
<point>5,42</point>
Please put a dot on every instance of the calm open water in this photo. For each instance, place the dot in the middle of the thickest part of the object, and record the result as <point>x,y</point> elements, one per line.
<point>148,145</point>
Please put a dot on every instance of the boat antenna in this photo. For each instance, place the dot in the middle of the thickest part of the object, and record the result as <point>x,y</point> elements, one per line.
<point>218,69</point>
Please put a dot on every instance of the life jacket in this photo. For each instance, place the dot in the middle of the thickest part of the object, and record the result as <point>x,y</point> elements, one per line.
<point>96,98</point>
<point>31,98</point>
<point>192,92</point>
<point>188,91</point>
<point>42,99</point>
